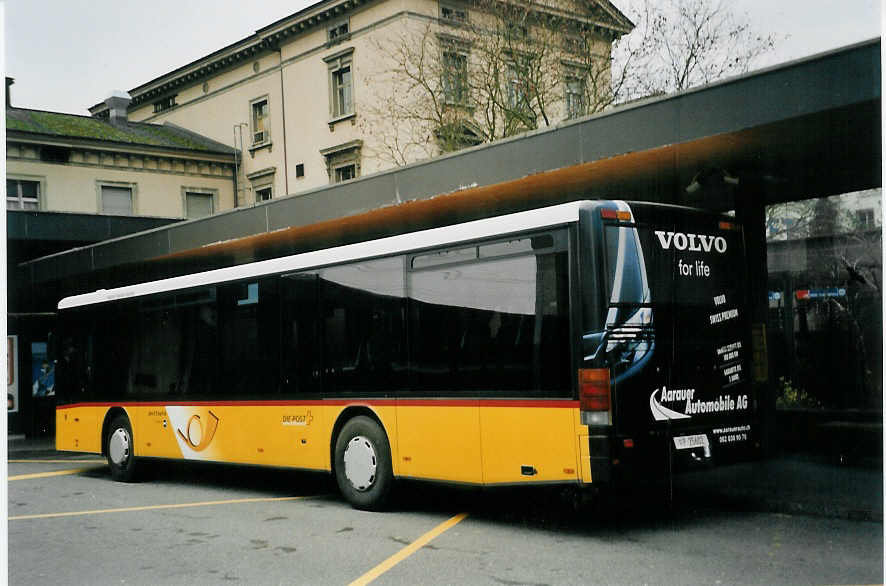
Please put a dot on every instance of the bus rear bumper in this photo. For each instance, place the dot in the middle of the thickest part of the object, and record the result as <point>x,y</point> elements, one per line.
<point>626,459</point>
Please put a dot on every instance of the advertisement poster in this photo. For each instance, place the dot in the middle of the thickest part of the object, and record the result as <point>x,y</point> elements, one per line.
<point>42,371</point>
<point>12,374</point>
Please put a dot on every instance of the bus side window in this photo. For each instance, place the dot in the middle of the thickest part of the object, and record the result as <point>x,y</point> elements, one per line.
<point>72,370</point>
<point>173,346</point>
<point>248,335</point>
<point>299,350</point>
<point>362,326</point>
<point>155,363</point>
<point>497,326</point>
<point>112,351</point>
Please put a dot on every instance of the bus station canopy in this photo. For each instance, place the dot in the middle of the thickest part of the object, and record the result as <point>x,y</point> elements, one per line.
<point>805,129</point>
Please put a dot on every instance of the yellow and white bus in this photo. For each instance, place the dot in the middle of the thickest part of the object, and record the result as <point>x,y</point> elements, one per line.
<point>566,345</point>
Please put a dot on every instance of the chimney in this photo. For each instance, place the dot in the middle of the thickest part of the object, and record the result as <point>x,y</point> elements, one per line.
<point>117,104</point>
<point>9,82</point>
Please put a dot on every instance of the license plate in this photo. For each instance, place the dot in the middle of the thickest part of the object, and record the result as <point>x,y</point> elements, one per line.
<point>687,442</point>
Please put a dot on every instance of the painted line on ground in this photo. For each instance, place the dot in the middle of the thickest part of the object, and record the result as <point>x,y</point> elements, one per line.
<point>89,461</point>
<point>159,507</point>
<point>53,473</point>
<point>407,551</point>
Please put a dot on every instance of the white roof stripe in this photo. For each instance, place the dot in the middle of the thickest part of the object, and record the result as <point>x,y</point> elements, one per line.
<point>477,229</point>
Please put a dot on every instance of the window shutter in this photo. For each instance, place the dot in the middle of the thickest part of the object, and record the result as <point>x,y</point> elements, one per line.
<point>199,205</point>
<point>117,201</point>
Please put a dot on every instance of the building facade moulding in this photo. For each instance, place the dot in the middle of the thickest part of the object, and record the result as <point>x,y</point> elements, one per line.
<point>340,148</point>
<point>263,41</point>
<point>94,155</point>
<point>261,173</point>
<point>116,146</point>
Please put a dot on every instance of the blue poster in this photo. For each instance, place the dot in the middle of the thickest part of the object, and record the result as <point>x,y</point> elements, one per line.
<point>42,371</point>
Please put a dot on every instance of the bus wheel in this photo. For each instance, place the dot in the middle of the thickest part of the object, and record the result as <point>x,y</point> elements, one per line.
<point>363,464</point>
<point>119,448</point>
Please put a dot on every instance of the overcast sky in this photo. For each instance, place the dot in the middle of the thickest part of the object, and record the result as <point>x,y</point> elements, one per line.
<point>67,55</point>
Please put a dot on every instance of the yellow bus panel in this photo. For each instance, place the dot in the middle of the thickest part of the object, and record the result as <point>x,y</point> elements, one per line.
<point>528,444</point>
<point>465,441</point>
<point>440,442</point>
<point>79,429</point>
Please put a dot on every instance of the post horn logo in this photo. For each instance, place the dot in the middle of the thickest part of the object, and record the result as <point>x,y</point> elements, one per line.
<point>198,436</point>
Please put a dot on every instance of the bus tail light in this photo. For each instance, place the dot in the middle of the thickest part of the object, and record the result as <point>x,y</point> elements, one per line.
<point>593,393</point>
<point>621,216</point>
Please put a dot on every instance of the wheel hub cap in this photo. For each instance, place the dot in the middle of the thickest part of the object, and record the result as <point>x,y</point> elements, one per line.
<point>118,446</point>
<point>360,463</point>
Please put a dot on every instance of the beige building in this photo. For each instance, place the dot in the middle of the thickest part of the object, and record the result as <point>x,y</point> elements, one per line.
<point>328,94</point>
<point>78,164</point>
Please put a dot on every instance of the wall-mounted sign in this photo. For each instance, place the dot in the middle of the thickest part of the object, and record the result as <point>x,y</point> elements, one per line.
<point>820,293</point>
<point>11,374</point>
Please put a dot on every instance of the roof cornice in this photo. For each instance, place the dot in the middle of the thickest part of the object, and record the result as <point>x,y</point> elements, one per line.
<point>35,138</point>
<point>263,41</point>
<point>601,17</point>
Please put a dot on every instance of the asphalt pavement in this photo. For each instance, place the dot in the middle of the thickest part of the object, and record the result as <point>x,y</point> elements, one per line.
<point>788,483</point>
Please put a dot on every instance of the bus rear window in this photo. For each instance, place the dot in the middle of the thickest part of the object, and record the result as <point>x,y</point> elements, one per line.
<point>624,265</point>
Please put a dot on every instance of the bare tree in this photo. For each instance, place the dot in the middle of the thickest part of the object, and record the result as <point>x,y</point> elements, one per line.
<point>679,44</point>
<point>488,72</point>
<point>489,69</point>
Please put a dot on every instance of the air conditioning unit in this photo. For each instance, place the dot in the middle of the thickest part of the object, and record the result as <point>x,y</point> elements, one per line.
<point>258,137</point>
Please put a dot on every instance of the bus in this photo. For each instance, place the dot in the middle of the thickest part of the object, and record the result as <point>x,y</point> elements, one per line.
<point>577,344</point>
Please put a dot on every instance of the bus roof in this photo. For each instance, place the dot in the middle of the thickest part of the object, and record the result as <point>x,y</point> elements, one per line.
<point>413,241</point>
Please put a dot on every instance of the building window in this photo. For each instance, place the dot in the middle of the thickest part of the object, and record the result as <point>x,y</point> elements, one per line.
<point>519,112</point>
<point>262,182</point>
<point>575,97</point>
<point>264,193</point>
<point>199,205</point>
<point>116,200</point>
<point>452,13</point>
<point>516,32</point>
<point>300,170</point>
<point>341,88</point>
<point>343,161</point>
<point>345,172</point>
<point>864,219</point>
<point>22,194</point>
<point>338,31</point>
<point>165,104</point>
<point>457,135</point>
<point>455,77</point>
<point>261,128</point>
<point>516,97</point>
<point>575,45</point>
<point>341,85</point>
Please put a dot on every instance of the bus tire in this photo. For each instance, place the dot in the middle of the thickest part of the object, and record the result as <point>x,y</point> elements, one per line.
<point>119,448</point>
<point>363,464</point>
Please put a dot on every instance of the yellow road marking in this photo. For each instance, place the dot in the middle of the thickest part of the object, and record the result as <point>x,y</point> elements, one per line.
<point>89,461</point>
<point>157,507</point>
<point>407,551</point>
<point>53,473</point>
